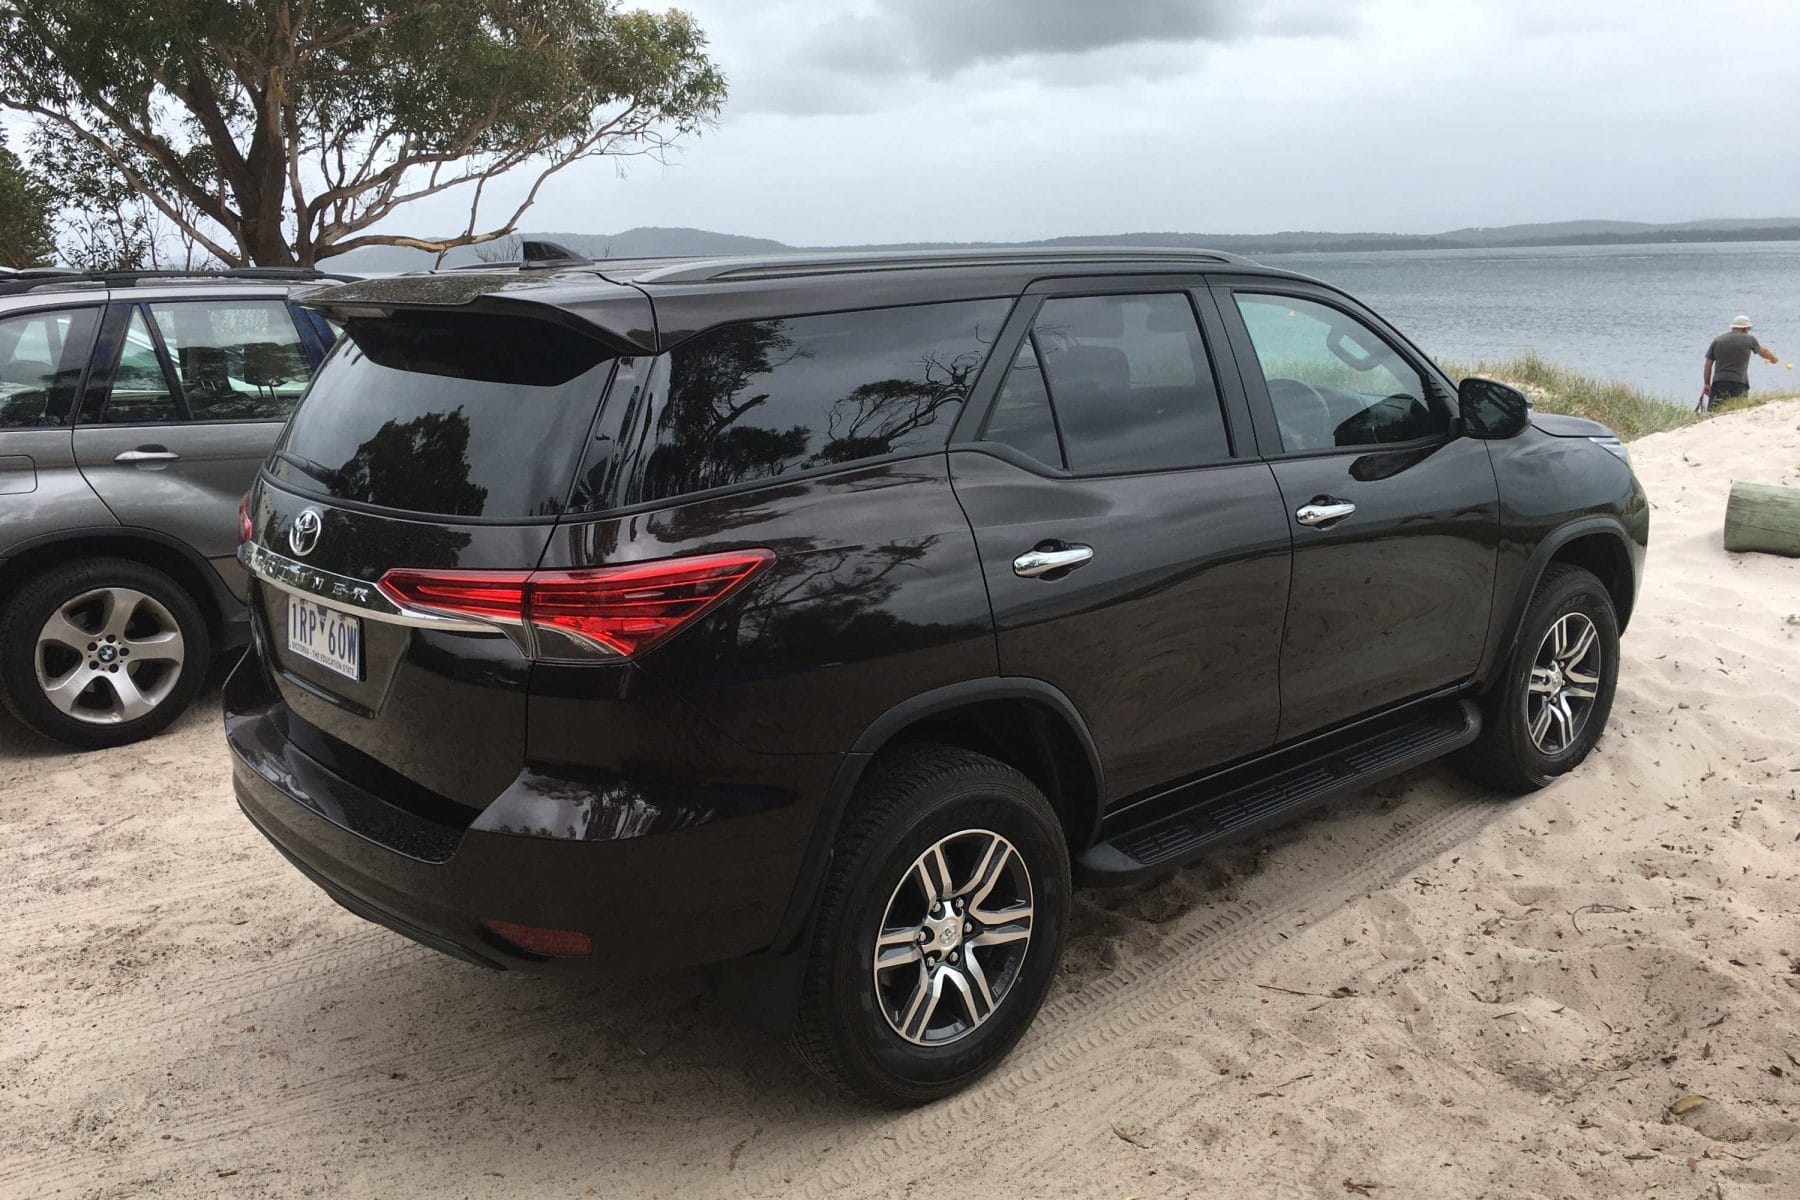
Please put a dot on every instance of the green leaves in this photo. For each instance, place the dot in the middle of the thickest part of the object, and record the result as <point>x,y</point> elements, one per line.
<point>281,131</point>
<point>25,211</point>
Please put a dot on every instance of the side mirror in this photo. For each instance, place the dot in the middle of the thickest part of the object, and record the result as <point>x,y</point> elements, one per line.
<point>1491,410</point>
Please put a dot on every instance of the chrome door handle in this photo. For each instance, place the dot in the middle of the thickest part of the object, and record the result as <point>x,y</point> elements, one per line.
<point>1323,512</point>
<point>145,456</point>
<point>1044,559</point>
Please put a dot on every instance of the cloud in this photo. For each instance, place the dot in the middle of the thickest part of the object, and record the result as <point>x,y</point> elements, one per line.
<point>856,58</point>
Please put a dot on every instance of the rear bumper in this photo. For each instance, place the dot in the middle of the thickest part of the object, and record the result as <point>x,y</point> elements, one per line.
<point>707,893</point>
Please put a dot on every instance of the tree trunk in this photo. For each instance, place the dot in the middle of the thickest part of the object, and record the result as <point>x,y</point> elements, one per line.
<point>265,244</point>
<point>1763,518</point>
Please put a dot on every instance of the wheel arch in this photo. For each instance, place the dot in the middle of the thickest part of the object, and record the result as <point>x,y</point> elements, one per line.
<point>1599,545</point>
<point>1027,723</point>
<point>166,554</point>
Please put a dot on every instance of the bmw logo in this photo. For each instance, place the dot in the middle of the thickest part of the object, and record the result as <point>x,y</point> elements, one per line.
<point>303,535</point>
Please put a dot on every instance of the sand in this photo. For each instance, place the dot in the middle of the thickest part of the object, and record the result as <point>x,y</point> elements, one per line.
<point>1424,991</point>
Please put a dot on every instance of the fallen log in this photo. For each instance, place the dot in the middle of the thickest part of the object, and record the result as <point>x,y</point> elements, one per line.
<point>1764,518</point>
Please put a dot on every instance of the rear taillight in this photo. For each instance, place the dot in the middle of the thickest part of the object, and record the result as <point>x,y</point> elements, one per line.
<point>599,611</point>
<point>246,527</point>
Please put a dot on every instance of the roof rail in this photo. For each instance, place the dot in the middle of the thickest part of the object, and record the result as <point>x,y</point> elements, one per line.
<point>36,278</point>
<point>776,266</point>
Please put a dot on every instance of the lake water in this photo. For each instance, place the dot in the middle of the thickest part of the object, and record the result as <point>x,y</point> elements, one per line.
<point>1643,314</point>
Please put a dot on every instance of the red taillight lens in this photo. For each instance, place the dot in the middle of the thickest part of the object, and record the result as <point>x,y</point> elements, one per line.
<point>490,595</point>
<point>554,943</point>
<point>246,529</point>
<point>621,610</point>
<point>628,609</point>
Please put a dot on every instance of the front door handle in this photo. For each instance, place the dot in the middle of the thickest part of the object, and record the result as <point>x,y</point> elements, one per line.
<point>1323,511</point>
<point>1049,557</point>
<point>146,455</point>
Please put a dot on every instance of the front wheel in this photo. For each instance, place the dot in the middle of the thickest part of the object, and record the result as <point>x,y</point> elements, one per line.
<point>1552,702</point>
<point>939,928</point>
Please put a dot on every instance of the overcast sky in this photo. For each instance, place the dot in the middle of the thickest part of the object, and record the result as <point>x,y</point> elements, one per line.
<point>887,120</point>
<point>891,120</point>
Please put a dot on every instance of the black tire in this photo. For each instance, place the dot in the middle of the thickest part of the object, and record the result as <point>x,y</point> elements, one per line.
<point>914,799</point>
<point>35,601</point>
<point>1506,756</point>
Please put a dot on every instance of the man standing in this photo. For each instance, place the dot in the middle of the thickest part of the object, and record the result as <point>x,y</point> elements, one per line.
<point>1727,376</point>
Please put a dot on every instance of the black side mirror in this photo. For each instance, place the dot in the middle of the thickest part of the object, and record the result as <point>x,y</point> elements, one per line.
<point>1492,410</point>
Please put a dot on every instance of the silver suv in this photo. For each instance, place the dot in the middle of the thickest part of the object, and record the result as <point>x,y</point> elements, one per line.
<point>135,409</point>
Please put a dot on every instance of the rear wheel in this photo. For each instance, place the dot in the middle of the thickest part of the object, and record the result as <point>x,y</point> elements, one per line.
<point>939,930</point>
<point>101,653</point>
<point>1552,702</point>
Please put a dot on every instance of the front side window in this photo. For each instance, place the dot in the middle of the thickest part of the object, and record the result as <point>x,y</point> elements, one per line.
<point>42,355</point>
<point>1122,382</point>
<point>1332,380</point>
<point>236,361</point>
<point>766,398</point>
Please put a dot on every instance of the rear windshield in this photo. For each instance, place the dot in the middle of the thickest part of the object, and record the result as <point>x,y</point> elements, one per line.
<point>457,415</point>
<point>757,400</point>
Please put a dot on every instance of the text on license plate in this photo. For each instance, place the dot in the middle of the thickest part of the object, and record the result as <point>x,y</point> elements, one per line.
<point>326,636</point>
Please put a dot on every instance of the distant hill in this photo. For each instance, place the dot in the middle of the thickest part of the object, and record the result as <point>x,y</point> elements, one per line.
<point>655,241</point>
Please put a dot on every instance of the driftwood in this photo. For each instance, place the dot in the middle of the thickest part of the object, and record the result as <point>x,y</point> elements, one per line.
<point>1764,518</point>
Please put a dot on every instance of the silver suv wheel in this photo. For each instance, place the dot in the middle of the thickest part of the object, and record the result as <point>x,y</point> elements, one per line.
<point>956,930</point>
<point>109,656</point>
<point>1565,680</point>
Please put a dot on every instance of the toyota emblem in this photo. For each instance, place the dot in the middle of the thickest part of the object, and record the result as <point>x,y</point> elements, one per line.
<point>304,534</point>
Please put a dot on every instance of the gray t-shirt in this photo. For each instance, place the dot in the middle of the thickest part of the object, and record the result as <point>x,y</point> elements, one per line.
<point>1730,356</point>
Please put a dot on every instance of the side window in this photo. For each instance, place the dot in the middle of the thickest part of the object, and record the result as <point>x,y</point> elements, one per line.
<point>140,390</point>
<point>1022,418</point>
<point>42,355</point>
<point>237,360</point>
<point>762,398</point>
<point>1332,380</point>
<point>1127,379</point>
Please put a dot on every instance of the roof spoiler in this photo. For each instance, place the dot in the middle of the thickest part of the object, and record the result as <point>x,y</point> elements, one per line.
<point>616,314</point>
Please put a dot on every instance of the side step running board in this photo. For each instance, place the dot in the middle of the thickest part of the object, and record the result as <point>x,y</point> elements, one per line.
<point>1247,805</point>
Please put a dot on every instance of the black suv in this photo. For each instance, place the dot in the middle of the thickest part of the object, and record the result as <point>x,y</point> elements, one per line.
<point>827,619</point>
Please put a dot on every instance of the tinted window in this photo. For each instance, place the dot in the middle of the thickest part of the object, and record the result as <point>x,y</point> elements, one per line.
<point>1022,417</point>
<point>41,359</point>
<point>236,361</point>
<point>1332,380</point>
<point>455,415</point>
<point>764,398</point>
<point>140,389</point>
<point>1129,380</point>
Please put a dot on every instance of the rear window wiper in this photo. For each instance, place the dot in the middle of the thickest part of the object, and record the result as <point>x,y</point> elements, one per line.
<point>330,476</point>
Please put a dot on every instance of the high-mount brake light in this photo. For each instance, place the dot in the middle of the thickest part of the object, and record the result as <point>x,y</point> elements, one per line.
<point>616,611</point>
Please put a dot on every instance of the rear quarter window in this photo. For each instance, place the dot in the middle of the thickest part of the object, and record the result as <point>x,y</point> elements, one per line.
<point>762,399</point>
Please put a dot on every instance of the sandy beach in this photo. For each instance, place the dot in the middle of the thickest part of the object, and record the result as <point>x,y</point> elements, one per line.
<point>1424,991</point>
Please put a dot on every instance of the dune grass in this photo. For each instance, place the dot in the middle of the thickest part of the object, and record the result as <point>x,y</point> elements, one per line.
<point>1629,411</point>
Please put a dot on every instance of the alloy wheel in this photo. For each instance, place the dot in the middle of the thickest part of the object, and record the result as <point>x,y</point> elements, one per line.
<point>109,656</point>
<point>953,937</point>
<point>1565,680</point>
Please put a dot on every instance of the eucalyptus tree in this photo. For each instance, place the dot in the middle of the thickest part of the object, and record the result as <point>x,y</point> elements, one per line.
<point>285,132</point>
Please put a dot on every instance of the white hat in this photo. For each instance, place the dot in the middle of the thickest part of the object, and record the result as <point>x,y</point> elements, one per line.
<point>1740,322</point>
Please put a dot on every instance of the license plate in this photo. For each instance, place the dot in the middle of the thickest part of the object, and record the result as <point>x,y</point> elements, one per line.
<point>325,636</point>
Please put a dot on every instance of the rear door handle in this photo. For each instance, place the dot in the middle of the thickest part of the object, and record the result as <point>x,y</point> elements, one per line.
<point>146,454</point>
<point>1323,511</point>
<point>1049,557</point>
